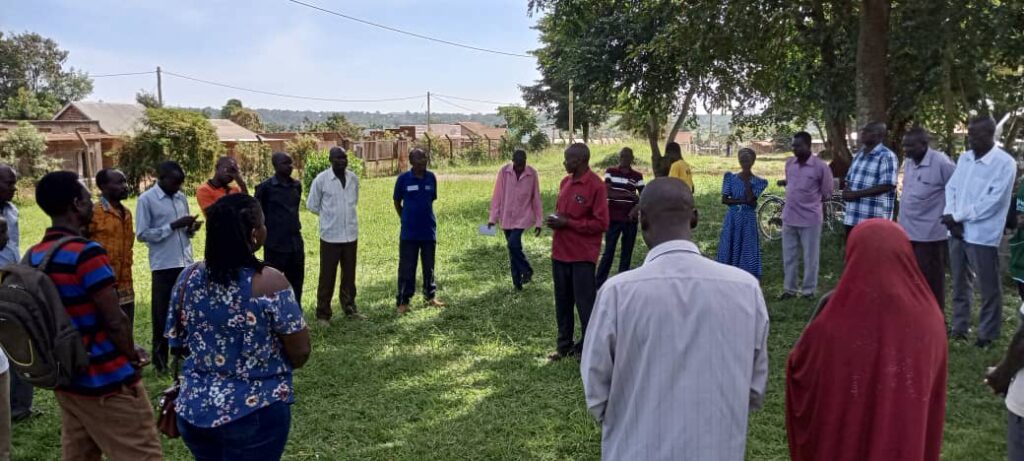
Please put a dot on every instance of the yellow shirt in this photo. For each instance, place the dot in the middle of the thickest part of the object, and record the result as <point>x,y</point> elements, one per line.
<point>681,170</point>
<point>114,232</point>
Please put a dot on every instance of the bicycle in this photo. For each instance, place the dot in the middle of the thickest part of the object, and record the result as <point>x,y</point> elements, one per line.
<point>769,215</point>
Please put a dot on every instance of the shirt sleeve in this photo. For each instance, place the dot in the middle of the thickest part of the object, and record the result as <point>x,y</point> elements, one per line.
<point>315,196</point>
<point>759,185</point>
<point>94,271</point>
<point>284,313</point>
<point>597,222</point>
<point>143,232</point>
<point>827,183</point>
<point>725,184</point>
<point>433,179</point>
<point>889,170</point>
<point>598,359</point>
<point>496,196</point>
<point>398,188</point>
<point>759,377</point>
<point>951,189</point>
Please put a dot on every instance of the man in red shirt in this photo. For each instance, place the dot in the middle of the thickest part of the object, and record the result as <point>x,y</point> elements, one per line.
<point>579,222</point>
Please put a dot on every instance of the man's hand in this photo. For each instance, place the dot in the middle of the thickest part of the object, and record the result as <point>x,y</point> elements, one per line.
<point>948,221</point>
<point>998,381</point>
<point>184,221</point>
<point>849,195</point>
<point>490,225</point>
<point>556,222</point>
<point>634,213</point>
<point>537,231</point>
<point>196,225</point>
<point>141,358</point>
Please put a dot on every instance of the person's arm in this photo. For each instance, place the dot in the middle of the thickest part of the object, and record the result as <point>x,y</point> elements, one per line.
<point>537,207</point>
<point>888,175</point>
<point>869,192</point>
<point>95,274</point>
<point>759,377</point>
<point>999,377</point>
<point>398,196</point>
<point>316,194</point>
<point>598,359</point>
<point>827,183</point>
<point>496,199</point>
<point>240,182</point>
<point>143,222</point>
<point>285,314</point>
<point>597,222</point>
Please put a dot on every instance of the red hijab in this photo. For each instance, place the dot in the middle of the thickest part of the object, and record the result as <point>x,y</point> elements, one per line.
<point>867,380</point>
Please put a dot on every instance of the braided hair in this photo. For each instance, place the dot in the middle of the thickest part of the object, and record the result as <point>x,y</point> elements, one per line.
<point>229,246</point>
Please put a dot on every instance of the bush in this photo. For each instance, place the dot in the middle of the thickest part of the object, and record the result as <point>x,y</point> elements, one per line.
<point>476,154</point>
<point>300,148</point>
<point>25,149</point>
<point>321,160</point>
<point>436,146</point>
<point>180,135</point>
<point>254,161</point>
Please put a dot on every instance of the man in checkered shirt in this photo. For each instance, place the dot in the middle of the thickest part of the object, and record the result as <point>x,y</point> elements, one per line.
<point>871,182</point>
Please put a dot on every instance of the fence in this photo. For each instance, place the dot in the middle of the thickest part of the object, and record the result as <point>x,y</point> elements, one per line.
<point>382,157</point>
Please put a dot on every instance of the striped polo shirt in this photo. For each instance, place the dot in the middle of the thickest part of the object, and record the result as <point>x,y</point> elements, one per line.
<point>624,187</point>
<point>79,270</point>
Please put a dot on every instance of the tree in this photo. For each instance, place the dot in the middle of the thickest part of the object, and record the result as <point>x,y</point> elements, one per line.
<point>301,148</point>
<point>32,68</point>
<point>25,148</point>
<point>230,107</point>
<point>180,135</point>
<point>147,99</point>
<point>338,123</point>
<point>522,130</point>
<point>26,105</point>
<point>248,119</point>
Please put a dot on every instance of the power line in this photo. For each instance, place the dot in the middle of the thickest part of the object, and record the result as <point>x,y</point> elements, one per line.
<point>412,34</point>
<point>475,100</point>
<point>455,105</point>
<point>123,74</point>
<point>284,95</point>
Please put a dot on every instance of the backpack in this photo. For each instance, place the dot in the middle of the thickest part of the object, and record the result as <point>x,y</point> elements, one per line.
<point>43,346</point>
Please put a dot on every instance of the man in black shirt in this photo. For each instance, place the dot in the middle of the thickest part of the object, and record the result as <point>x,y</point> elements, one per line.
<point>280,196</point>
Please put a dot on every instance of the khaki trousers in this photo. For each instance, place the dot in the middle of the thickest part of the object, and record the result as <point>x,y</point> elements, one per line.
<point>120,425</point>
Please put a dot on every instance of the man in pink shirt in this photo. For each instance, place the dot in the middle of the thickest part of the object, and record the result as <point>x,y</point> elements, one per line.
<point>516,205</point>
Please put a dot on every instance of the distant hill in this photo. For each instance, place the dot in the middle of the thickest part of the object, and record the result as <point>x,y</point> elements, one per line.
<point>292,119</point>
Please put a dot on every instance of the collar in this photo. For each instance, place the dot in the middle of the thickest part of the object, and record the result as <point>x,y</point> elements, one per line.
<point>587,176</point>
<point>877,150</point>
<point>510,168</point>
<point>61,231</point>
<point>987,159</point>
<point>161,194</point>
<point>671,246</point>
<point>275,181</point>
<point>926,160</point>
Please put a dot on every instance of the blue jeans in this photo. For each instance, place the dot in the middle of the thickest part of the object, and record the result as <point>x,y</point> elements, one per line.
<point>627,230</point>
<point>261,435</point>
<point>520,266</point>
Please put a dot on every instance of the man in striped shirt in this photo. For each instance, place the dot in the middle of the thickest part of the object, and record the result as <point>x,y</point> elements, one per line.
<point>105,411</point>
<point>624,187</point>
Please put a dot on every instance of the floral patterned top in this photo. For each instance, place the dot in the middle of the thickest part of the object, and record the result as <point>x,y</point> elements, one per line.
<point>236,363</point>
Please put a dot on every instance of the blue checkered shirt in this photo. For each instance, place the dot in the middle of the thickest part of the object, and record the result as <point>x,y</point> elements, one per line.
<point>875,168</point>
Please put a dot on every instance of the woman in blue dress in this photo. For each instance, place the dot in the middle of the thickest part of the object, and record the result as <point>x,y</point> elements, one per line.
<point>739,245</point>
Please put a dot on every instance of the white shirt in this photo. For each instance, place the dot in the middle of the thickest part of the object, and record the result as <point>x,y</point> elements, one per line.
<point>336,205</point>
<point>4,366</point>
<point>1015,395</point>
<point>154,213</point>
<point>11,253</point>
<point>676,357</point>
<point>978,195</point>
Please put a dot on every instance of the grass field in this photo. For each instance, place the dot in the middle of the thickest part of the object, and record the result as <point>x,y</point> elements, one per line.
<point>470,381</point>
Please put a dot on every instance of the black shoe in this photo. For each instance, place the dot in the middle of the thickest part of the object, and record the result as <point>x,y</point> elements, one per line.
<point>983,343</point>
<point>519,287</point>
<point>527,278</point>
<point>957,336</point>
<point>785,296</point>
<point>22,417</point>
<point>807,296</point>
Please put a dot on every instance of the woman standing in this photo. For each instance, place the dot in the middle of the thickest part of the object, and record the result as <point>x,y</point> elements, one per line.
<point>739,245</point>
<point>242,334</point>
<point>867,380</point>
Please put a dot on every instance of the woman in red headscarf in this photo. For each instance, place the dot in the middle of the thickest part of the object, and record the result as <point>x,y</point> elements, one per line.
<point>867,380</point>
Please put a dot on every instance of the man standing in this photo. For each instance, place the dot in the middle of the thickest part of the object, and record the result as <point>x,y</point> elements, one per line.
<point>808,183</point>
<point>871,182</point>
<point>922,202</point>
<point>220,185</point>
<point>677,352</point>
<point>977,198</point>
<point>334,196</point>
<point>112,228</point>
<point>516,204</point>
<point>164,224</point>
<point>21,393</point>
<point>679,168</point>
<point>624,187</point>
<point>579,221</point>
<point>105,411</point>
<point>415,192</point>
<point>280,196</point>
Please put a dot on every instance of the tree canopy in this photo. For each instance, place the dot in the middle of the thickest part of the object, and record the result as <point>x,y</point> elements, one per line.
<point>34,80</point>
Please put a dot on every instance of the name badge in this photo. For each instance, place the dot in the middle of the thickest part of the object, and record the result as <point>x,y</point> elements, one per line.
<point>427,187</point>
<point>413,188</point>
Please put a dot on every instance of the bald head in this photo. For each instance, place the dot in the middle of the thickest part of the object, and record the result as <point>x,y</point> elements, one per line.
<point>873,134</point>
<point>667,211</point>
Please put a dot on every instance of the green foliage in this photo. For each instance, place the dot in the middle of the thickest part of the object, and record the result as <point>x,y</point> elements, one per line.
<point>475,154</point>
<point>338,123</point>
<point>254,161</point>
<point>33,80</point>
<point>230,107</point>
<point>180,135</point>
<point>435,145</point>
<point>147,100</point>
<point>320,161</point>
<point>523,131</point>
<point>248,119</point>
<point>301,148</point>
<point>25,148</point>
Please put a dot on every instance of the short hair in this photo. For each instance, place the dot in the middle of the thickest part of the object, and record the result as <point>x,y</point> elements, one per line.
<point>918,132</point>
<point>747,150</point>
<point>417,151</point>
<point>580,149</point>
<point>805,137</point>
<point>673,148</point>
<point>222,160</point>
<point>519,152</point>
<point>877,127</point>
<point>103,177</point>
<point>169,167</point>
<point>336,150</point>
<point>626,150</point>
<point>983,119</point>
<point>57,191</point>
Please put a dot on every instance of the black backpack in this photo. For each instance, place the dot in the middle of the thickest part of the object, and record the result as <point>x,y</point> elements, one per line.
<point>43,346</point>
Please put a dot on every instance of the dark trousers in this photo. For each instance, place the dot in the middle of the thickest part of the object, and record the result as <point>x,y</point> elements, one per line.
<point>333,255</point>
<point>520,265</point>
<point>1014,437</point>
<point>574,287</point>
<point>292,264</point>
<point>408,252</point>
<point>931,258</point>
<point>129,311</point>
<point>259,435</point>
<point>616,229</point>
<point>21,396</point>
<point>163,285</point>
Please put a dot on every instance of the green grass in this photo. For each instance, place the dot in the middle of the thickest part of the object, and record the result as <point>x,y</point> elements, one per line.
<point>470,381</point>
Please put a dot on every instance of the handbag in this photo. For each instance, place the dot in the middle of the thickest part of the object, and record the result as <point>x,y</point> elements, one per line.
<point>167,419</point>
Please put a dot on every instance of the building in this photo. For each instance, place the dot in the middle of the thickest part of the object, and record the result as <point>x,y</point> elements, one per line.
<point>120,121</point>
<point>78,144</point>
<point>476,130</point>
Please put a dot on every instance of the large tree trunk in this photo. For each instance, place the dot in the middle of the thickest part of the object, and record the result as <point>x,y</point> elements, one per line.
<point>653,130</point>
<point>835,126</point>
<point>684,112</point>
<point>872,61</point>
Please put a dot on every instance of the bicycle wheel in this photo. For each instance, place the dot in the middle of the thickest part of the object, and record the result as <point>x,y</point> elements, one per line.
<point>769,218</point>
<point>835,211</point>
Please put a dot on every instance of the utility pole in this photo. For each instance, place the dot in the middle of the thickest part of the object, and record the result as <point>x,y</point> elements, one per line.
<point>572,126</point>
<point>429,147</point>
<point>159,87</point>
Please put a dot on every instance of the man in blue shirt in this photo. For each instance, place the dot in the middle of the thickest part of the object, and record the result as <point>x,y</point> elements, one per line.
<point>871,182</point>
<point>415,192</point>
<point>977,197</point>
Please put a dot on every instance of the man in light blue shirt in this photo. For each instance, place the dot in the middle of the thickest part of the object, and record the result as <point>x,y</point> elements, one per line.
<point>164,224</point>
<point>20,391</point>
<point>977,198</point>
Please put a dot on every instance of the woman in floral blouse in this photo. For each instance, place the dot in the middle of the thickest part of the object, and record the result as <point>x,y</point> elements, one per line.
<point>242,334</point>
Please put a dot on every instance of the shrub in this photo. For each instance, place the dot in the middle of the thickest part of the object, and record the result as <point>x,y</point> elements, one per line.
<point>180,135</point>
<point>254,161</point>
<point>25,149</point>
<point>300,148</point>
<point>321,160</point>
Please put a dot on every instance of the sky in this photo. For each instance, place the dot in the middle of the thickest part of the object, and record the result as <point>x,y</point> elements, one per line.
<point>282,47</point>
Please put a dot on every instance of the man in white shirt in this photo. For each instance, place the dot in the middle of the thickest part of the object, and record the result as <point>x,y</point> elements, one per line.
<point>999,379</point>
<point>334,196</point>
<point>977,199</point>
<point>676,352</point>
